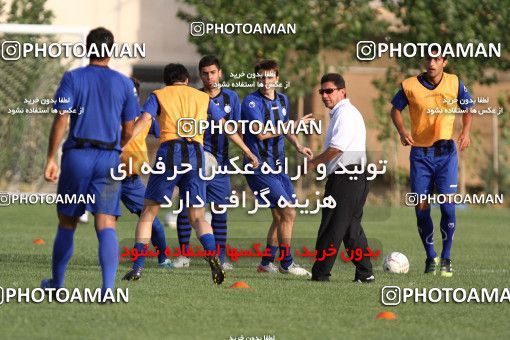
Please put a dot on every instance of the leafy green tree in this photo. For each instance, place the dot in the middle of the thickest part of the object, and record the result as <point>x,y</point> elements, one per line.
<point>24,137</point>
<point>322,27</point>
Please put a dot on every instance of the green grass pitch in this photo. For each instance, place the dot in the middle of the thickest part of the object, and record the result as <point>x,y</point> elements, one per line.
<point>185,304</point>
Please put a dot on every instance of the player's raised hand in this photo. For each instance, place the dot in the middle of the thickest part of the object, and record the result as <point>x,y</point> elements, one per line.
<point>406,138</point>
<point>51,171</point>
<point>308,118</point>
<point>464,141</point>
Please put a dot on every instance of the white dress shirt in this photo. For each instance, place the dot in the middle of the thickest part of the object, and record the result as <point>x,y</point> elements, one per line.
<point>346,132</point>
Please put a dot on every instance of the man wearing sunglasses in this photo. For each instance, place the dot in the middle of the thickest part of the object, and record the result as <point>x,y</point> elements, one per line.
<point>344,148</point>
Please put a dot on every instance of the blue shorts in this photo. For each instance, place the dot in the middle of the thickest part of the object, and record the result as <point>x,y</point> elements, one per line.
<point>434,167</point>
<point>87,172</point>
<point>218,189</point>
<point>279,186</point>
<point>173,154</point>
<point>132,194</point>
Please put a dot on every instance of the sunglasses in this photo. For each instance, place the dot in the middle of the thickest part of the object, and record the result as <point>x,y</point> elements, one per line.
<point>328,91</point>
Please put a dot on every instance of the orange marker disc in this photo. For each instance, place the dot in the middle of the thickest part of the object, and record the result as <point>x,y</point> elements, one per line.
<point>386,315</point>
<point>240,284</point>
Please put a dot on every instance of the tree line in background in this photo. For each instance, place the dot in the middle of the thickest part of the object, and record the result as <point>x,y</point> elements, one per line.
<point>322,27</point>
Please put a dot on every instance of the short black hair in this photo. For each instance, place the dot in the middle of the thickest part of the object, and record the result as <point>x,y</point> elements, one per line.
<point>175,73</point>
<point>99,36</point>
<point>436,49</point>
<point>335,78</point>
<point>208,60</point>
<point>267,64</point>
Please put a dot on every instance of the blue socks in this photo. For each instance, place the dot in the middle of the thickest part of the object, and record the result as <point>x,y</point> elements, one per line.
<point>219,227</point>
<point>108,256</point>
<point>448,222</point>
<point>208,242</point>
<point>267,259</point>
<point>62,252</point>
<point>426,230</point>
<point>158,239</point>
<point>286,255</point>
<point>218,224</point>
<point>183,230</point>
<point>140,260</point>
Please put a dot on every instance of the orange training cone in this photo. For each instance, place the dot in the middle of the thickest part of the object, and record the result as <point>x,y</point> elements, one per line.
<point>386,315</point>
<point>240,284</point>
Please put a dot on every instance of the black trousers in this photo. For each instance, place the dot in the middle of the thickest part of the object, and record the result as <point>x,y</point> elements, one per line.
<point>343,223</point>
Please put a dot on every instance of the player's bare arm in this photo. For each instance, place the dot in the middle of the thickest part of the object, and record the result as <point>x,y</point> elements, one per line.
<point>138,126</point>
<point>464,139</point>
<point>237,140</point>
<point>127,132</point>
<point>398,121</point>
<point>305,151</point>
<point>58,129</point>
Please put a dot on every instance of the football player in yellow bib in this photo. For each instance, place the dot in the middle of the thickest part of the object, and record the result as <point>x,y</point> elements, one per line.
<point>132,192</point>
<point>179,106</point>
<point>434,98</point>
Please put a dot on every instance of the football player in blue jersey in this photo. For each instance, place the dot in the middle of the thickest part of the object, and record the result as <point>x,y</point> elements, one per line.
<point>267,105</point>
<point>98,101</point>
<point>216,146</point>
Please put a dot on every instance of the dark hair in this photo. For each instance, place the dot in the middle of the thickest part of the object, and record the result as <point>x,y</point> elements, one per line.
<point>335,78</point>
<point>99,36</point>
<point>136,84</point>
<point>267,64</point>
<point>436,49</point>
<point>208,60</point>
<point>175,73</point>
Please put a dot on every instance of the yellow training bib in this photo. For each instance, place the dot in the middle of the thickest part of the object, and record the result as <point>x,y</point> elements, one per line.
<point>427,127</point>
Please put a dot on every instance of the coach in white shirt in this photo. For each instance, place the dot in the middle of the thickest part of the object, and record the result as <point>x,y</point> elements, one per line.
<point>344,149</point>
